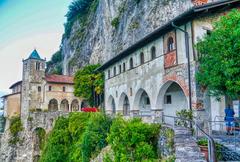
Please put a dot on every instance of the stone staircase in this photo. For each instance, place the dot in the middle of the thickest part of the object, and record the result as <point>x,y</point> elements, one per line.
<point>186,148</point>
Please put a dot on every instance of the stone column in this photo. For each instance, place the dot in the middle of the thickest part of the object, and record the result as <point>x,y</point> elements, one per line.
<point>157,115</point>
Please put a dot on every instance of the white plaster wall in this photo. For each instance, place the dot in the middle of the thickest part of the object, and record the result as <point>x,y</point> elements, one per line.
<point>148,76</point>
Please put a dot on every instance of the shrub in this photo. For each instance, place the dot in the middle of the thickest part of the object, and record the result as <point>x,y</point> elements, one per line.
<point>15,128</point>
<point>115,22</point>
<point>133,140</point>
<point>184,114</point>
<point>77,138</point>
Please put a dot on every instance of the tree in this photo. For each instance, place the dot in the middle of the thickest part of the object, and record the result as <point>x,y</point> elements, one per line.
<point>87,82</point>
<point>219,68</point>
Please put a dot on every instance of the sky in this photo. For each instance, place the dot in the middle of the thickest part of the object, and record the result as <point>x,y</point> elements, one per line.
<point>24,26</point>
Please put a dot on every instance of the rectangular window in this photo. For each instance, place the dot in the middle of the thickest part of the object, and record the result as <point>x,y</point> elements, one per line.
<point>64,89</point>
<point>109,74</point>
<point>50,88</point>
<point>39,89</point>
<point>114,71</point>
<point>168,99</point>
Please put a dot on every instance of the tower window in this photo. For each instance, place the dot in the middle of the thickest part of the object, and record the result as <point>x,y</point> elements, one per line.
<point>170,44</point>
<point>39,89</point>
<point>64,89</point>
<point>142,58</point>
<point>153,52</point>
<point>50,88</point>
<point>37,66</point>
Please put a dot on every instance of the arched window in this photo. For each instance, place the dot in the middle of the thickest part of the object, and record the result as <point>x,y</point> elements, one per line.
<point>109,74</point>
<point>131,63</point>
<point>114,71</point>
<point>64,105</point>
<point>75,105</point>
<point>153,52</point>
<point>142,58</point>
<point>124,67</point>
<point>170,44</point>
<point>53,105</point>
<point>120,69</point>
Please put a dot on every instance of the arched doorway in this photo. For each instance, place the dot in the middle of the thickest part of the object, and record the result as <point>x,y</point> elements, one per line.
<point>64,105</point>
<point>111,105</point>
<point>53,105</point>
<point>171,99</point>
<point>124,104</point>
<point>39,135</point>
<point>142,102</point>
<point>75,105</point>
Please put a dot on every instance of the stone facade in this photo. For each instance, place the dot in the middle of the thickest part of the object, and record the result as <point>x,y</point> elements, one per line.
<point>162,81</point>
<point>39,99</point>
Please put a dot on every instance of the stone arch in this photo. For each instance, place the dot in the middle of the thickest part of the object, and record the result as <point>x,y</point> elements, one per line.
<point>142,102</point>
<point>64,106</point>
<point>53,105</point>
<point>171,98</point>
<point>124,104</point>
<point>111,104</point>
<point>75,105</point>
<point>39,135</point>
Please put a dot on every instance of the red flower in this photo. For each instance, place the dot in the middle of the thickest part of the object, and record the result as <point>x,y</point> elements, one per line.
<point>89,109</point>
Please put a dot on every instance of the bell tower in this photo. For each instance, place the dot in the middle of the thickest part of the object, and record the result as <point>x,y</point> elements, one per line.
<point>32,84</point>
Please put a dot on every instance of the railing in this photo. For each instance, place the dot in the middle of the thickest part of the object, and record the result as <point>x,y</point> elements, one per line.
<point>198,129</point>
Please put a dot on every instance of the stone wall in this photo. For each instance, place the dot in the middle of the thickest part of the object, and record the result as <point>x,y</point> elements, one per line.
<point>24,150</point>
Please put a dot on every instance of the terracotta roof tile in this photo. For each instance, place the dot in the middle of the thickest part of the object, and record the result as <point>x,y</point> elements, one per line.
<point>59,79</point>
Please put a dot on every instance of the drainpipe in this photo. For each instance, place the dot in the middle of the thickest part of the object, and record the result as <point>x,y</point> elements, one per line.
<point>188,62</point>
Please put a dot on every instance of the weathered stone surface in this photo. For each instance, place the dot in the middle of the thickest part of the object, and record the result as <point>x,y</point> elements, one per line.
<point>186,148</point>
<point>24,151</point>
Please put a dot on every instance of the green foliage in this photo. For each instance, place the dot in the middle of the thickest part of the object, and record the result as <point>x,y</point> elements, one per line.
<point>76,138</point>
<point>220,60</point>
<point>137,1</point>
<point>133,140</point>
<point>41,134</point>
<point>185,114</point>
<point>55,63</point>
<point>115,22</point>
<point>84,81</point>
<point>15,128</point>
<point>58,142</point>
<point>76,10</point>
<point>204,142</point>
<point>94,138</point>
<point>134,25</point>
<point>169,134</point>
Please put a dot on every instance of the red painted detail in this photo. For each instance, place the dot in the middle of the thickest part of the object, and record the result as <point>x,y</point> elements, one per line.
<point>199,2</point>
<point>179,80</point>
<point>170,59</point>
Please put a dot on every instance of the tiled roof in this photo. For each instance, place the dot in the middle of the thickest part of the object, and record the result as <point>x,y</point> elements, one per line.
<point>59,79</point>
<point>34,55</point>
<point>15,84</point>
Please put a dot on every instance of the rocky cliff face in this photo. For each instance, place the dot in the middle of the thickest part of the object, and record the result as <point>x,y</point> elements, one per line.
<point>114,26</point>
